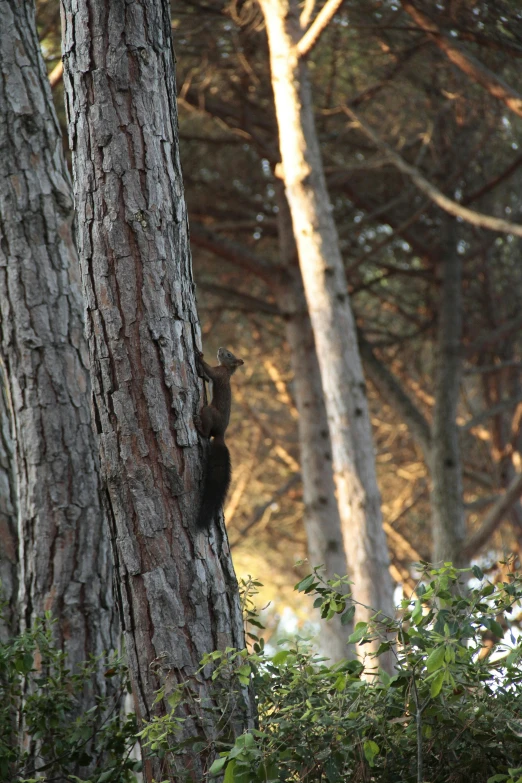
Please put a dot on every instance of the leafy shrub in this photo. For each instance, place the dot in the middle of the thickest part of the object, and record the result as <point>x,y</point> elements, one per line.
<point>43,736</point>
<point>450,712</point>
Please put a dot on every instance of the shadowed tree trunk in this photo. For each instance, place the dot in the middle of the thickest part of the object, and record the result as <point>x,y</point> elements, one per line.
<point>330,312</point>
<point>65,564</point>
<point>9,621</point>
<point>177,588</point>
<point>447,500</point>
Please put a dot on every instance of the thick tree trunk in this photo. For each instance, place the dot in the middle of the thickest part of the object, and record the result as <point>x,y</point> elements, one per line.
<point>331,316</point>
<point>321,517</point>
<point>64,546</point>
<point>177,588</point>
<point>447,502</point>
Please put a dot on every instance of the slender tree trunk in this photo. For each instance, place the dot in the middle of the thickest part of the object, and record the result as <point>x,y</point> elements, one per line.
<point>177,588</point>
<point>330,312</point>
<point>321,517</point>
<point>447,502</point>
<point>64,547</point>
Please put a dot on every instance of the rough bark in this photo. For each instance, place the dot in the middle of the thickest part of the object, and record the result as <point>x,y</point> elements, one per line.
<point>330,313</point>
<point>177,589</point>
<point>64,546</point>
<point>9,619</point>
<point>321,518</point>
<point>447,502</point>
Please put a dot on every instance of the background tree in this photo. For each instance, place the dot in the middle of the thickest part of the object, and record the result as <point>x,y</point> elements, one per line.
<point>460,137</point>
<point>392,250</point>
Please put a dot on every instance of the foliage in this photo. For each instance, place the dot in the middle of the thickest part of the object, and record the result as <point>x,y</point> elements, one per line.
<point>42,734</point>
<point>451,710</point>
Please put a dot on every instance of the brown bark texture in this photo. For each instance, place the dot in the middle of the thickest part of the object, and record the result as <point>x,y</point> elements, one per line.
<point>330,313</point>
<point>9,619</point>
<point>177,589</point>
<point>65,564</point>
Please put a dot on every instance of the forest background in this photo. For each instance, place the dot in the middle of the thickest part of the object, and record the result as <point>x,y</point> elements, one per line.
<point>417,113</point>
<point>450,123</point>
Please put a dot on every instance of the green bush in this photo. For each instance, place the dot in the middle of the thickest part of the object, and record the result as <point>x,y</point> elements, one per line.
<point>39,711</point>
<point>450,712</point>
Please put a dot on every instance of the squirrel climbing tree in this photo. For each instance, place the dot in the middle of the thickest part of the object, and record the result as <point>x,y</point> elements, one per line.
<point>213,422</point>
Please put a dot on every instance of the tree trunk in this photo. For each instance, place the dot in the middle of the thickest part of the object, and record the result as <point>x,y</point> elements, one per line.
<point>321,516</point>
<point>9,619</point>
<point>64,546</point>
<point>177,588</point>
<point>330,313</point>
<point>447,502</point>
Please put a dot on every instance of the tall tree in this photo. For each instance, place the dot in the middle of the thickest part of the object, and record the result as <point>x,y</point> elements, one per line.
<point>330,312</point>
<point>177,589</point>
<point>65,564</point>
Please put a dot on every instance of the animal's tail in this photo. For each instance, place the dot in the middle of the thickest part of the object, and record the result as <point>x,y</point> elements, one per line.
<point>215,487</point>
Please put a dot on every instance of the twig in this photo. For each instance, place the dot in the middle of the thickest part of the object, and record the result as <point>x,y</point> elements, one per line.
<point>445,203</point>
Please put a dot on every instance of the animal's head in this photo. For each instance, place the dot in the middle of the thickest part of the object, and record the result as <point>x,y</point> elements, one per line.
<point>227,359</point>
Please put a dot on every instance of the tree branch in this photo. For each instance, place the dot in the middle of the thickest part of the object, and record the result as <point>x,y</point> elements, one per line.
<point>392,392</point>
<point>466,62</point>
<point>494,517</point>
<point>445,203</point>
<point>500,407</point>
<point>234,252</point>
<point>320,23</point>
<point>251,304</point>
<point>56,75</point>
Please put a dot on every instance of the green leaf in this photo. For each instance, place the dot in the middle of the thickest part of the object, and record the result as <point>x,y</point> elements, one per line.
<point>280,657</point>
<point>305,583</point>
<point>496,628</point>
<point>218,765</point>
<point>371,749</point>
<point>229,773</point>
<point>436,685</point>
<point>416,615</point>
<point>385,677</point>
<point>347,617</point>
<point>360,630</point>
<point>478,573</point>
<point>435,659</point>
<point>497,779</point>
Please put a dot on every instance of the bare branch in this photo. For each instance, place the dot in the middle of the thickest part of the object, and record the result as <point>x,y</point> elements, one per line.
<point>260,510</point>
<point>234,252</point>
<point>494,517</point>
<point>494,336</point>
<point>321,21</point>
<point>500,407</point>
<point>56,75</point>
<point>240,301</point>
<point>391,391</point>
<point>466,62</point>
<point>445,203</point>
<point>489,186</point>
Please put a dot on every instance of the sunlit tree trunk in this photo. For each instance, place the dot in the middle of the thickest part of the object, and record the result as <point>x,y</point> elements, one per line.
<point>331,316</point>
<point>321,514</point>
<point>65,563</point>
<point>177,588</point>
